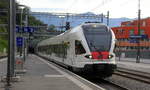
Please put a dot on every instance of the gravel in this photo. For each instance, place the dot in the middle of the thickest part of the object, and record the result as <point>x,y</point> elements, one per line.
<point>129,83</point>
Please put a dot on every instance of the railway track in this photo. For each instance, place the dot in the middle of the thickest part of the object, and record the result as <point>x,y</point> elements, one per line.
<point>114,85</point>
<point>132,74</point>
<point>107,84</point>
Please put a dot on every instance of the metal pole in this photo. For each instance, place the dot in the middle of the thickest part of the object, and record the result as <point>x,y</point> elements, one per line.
<point>13,39</point>
<point>102,16</point>
<point>67,17</point>
<point>21,31</point>
<point>10,40</point>
<point>108,18</point>
<point>24,57</point>
<point>119,51</point>
<point>138,46</point>
<point>26,24</point>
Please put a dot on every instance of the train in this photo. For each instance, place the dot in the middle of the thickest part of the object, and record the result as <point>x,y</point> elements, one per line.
<point>87,48</point>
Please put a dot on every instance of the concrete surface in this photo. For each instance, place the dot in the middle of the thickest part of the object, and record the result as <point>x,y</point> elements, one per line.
<point>42,75</point>
<point>130,63</point>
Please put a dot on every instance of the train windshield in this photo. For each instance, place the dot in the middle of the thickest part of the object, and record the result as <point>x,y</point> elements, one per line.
<point>98,37</point>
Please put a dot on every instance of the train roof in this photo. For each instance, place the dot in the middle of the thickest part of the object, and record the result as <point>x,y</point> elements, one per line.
<point>73,30</point>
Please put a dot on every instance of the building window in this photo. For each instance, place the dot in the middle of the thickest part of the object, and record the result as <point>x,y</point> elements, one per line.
<point>144,24</point>
<point>120,31</point>
<point>142,32</point>
<point>131,32</point>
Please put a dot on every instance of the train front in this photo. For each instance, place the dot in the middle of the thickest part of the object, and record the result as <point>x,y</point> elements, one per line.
<point>101,41</point>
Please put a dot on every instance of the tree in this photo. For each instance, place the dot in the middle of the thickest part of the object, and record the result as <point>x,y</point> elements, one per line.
<point>52,28</point>
<point>4,20</point>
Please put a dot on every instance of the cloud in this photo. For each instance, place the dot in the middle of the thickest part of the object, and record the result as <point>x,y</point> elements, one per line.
<point>117,8</point>
<point>47,9</point>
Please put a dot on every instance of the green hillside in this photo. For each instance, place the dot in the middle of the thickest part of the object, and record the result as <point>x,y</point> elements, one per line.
<point>4,20</point>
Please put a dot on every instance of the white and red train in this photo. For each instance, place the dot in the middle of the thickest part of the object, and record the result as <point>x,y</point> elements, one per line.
<point>85,48</point>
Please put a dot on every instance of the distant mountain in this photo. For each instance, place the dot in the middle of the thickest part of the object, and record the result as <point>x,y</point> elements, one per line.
<point>49,19</point>
<point>88,13</point>
<point>114,22</point>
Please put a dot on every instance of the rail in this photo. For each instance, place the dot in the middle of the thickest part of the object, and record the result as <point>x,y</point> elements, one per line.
<point>115,85</point>
<point>133,74</point>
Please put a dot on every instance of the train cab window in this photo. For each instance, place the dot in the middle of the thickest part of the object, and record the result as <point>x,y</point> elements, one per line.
<point>79,49</point>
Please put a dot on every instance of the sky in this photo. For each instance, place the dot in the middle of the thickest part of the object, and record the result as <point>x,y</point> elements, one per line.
<point>117,8</point>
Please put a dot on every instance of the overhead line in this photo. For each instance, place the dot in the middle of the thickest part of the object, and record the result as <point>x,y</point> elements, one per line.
<point>101,4</point>
<point>73,3</point>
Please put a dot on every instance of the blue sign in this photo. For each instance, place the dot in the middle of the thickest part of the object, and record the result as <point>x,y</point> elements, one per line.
<point>25,29</point>
<point>138,36</point>
<point>28,29</point>
<point>134,41</point>
<point>31,29</point>
<point>19,41</point>
<point>17,29</point>
<point>144,36</point>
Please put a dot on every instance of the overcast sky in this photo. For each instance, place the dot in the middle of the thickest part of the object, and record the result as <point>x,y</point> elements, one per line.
<point>117,8</point>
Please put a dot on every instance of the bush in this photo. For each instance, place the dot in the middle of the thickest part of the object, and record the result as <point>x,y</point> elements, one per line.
<point>3,44</point>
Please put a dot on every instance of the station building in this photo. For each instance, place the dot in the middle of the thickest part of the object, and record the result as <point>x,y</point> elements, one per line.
<point>128,41</point>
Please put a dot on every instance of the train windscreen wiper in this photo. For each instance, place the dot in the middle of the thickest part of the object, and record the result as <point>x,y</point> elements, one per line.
<point>96,49</point>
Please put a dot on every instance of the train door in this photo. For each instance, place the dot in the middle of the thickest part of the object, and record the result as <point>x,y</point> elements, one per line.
<point>70,54</point>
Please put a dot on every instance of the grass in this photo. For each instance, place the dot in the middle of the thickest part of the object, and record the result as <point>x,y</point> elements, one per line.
<point>3,39</point>
<point>3,44</point>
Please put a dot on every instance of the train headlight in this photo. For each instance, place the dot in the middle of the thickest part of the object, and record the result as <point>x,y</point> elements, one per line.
<point>88,56</point>
<point>110,56</point>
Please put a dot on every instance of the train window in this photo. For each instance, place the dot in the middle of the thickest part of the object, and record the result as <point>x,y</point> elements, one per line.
<point>95,28</point>
<point>79,49</point>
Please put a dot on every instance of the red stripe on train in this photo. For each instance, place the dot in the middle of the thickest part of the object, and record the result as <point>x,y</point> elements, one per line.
<point>100,55</point>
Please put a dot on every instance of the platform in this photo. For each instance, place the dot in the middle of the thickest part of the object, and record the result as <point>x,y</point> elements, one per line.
<point>130,63</point>
<point>43,75</point>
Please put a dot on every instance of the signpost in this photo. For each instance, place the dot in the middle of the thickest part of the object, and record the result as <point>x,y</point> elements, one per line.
<point>136,39</point>
<point>19,41</point>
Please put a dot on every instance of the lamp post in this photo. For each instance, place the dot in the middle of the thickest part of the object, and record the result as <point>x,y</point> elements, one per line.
<point>102,18</point>
<point>138,44</point>
<point>21,7</point>
<point>23,48</point>
<point>11,41</point>
<point>108,18</point>
<point>62,22</point>
<point>119,50</point>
